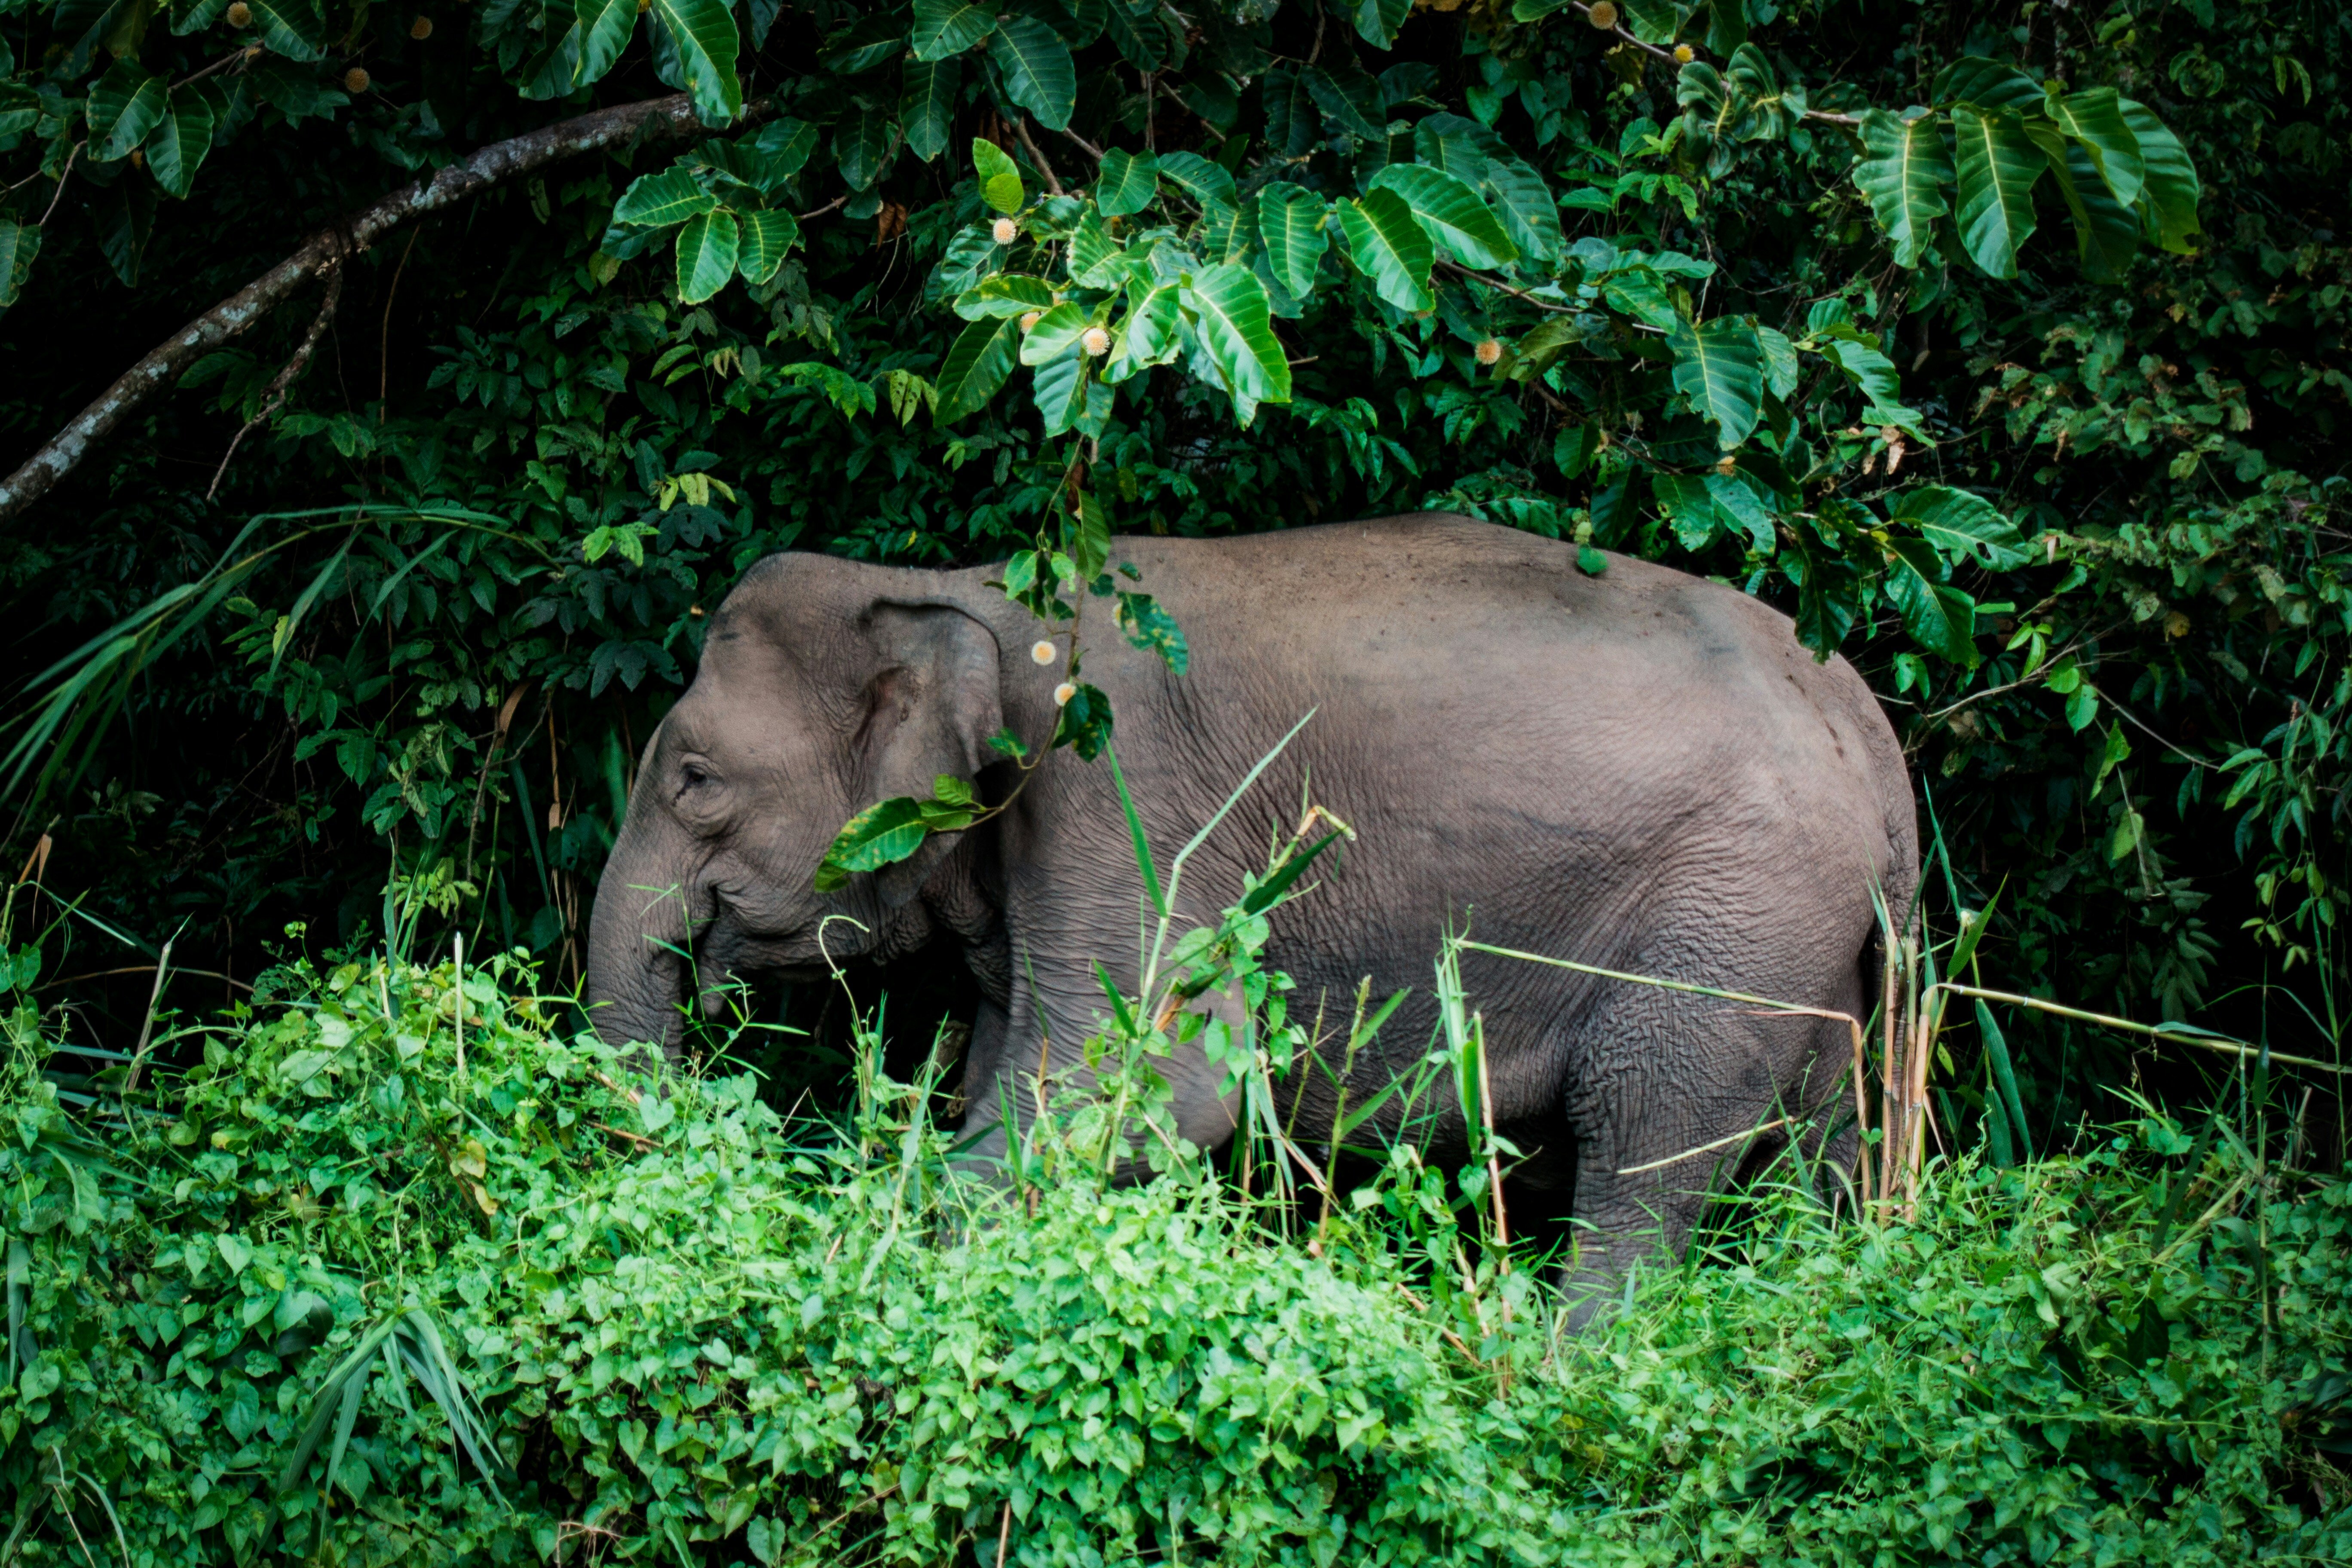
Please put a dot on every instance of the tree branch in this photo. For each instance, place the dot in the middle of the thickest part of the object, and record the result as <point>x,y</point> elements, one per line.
<point>274,394</point>
<point>323,254</point>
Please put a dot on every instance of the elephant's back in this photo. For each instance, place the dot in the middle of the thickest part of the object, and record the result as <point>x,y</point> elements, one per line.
<point>1610,711</point>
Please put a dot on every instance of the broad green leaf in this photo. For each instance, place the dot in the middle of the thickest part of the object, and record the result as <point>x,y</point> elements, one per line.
<point>653,200</point>
<point>181,139</point>
<point>766,236</point>
<point>1451,213</point>
<point>1096,260</point>
<point>1939,618</point>
<point>1780,362</point>
<point>1962,525</point>
<point>1059,390</point>
<point>927,103</point>
<point>2094,119</point>
<point>1036,68</point>
<point>1235,330</point>
<point>1199,178</point>
<point>1455,144</point>
<point>2169,190</point>
<point>1139,35</point>
<point>1005,294</point>
<point>1688,508</point>
<point>19,244</point>
<point>1987,84</point>
<point>1151,331</point>
<point>703,33</point>
<point>124,106</point>
<point>1378,20</point>
<point>1720,368</point>
<point>1642,294</point>
<point>605,28</point>
<point>1903,170</point>
<point>1874,375</point>
<point>1000,177</point>
<point>1291,221</point>
<point>1154,630</point>
<point>1389,246</point>
<point>707,250</point>
<point>881,835</point>
<point>185,19</point>
<point>1055,334</point>
<point>2106,234</point>
<point>1127,183</point>
<point>1530,216</point>
<point>981,357</point>
<point>554,70</point>
<point>1348,97</point>
<point>1998,166</point>
<point>1654,21</point>
<point>782,147</point>
<point>944,28</point>
<point>289,27</point>
<point>1737,500</point>
<point>864,146</point>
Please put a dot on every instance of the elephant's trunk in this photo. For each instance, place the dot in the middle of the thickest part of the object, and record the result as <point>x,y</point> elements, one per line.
<point>635,976</point>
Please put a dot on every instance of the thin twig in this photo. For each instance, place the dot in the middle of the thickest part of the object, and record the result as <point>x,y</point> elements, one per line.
<point>1053,181</point>
<point>63,175</point>
<point>283,382</point>
<point>1088,148</point>
<point>384,343</point>
<point>223,63</point>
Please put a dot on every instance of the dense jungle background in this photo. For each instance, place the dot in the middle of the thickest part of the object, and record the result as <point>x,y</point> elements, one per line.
<point>2002,345</point>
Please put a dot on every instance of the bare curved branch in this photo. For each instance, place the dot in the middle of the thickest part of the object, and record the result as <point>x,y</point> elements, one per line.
<point>323,254</point>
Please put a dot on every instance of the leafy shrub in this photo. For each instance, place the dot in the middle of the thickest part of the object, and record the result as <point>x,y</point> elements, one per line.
<point>694,1328</point>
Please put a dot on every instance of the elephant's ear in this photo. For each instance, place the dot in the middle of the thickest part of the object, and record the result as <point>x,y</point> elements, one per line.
<point>933,701</point>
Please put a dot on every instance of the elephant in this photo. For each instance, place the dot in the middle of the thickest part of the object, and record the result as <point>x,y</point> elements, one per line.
<point>1632,768</point>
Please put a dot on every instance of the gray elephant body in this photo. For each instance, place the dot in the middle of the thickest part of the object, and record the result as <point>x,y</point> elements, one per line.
<point>1637,770</point>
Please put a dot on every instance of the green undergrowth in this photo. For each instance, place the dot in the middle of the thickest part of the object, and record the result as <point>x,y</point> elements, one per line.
<point>524,1311</point>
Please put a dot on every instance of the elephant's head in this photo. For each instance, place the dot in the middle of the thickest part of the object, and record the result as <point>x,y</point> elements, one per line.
<point>824,687</point>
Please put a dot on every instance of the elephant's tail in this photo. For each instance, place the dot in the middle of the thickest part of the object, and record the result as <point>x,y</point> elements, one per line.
<point>1899,883</point>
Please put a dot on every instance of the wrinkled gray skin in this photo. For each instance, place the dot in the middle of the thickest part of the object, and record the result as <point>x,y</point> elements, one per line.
<point>1639,770</point>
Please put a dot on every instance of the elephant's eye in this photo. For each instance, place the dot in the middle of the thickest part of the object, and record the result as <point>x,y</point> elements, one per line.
<point>693,776</point>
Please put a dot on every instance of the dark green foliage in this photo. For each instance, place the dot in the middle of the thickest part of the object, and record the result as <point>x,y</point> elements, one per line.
<point>724,1337</point>
<point>2072,506</point>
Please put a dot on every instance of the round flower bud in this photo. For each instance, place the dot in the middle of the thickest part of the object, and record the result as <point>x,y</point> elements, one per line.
<point>1488,351</point>
<point>1726,466</point>
<point>1684,54</point>
<point>1044,651</point>
<point>421,28</point>
<point>1063,693</point>
<point>240,14</point>
<point>356,80</point>
<point>1602,16</point>
<point>1029,318</point>
<point>1094,340</point>
<point>1004,231</point>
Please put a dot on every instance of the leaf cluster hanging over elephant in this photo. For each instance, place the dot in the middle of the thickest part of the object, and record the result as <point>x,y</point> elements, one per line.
<point>1636,769</point>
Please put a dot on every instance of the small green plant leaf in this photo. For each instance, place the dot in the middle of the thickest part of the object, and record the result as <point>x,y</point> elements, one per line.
<point>1230,316</point>
<point>1720,368</point>
<point>1903,170</point>
<point>1998,166</point>
<point>1291,223</point>
<point>999,176</point>
<point>181,140</point>
<point>1963,526</point>
<point>1036,68</point>
<point>708,247</point>
<point>1939,618</point>
<point>1451,213</point>
<point>983,354</point>
<point>882,834</point>
<point>2169,189</point>
<point>1127,183</point>
<point>927,102</point>
<point>124,106</point>
<point>605,28</point>
<point>703,32</point>
<point>1389,246</point>
<point>765,237</point>
<point>944,28</point>
<point>653,201</point>
<point>2094,119</point>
